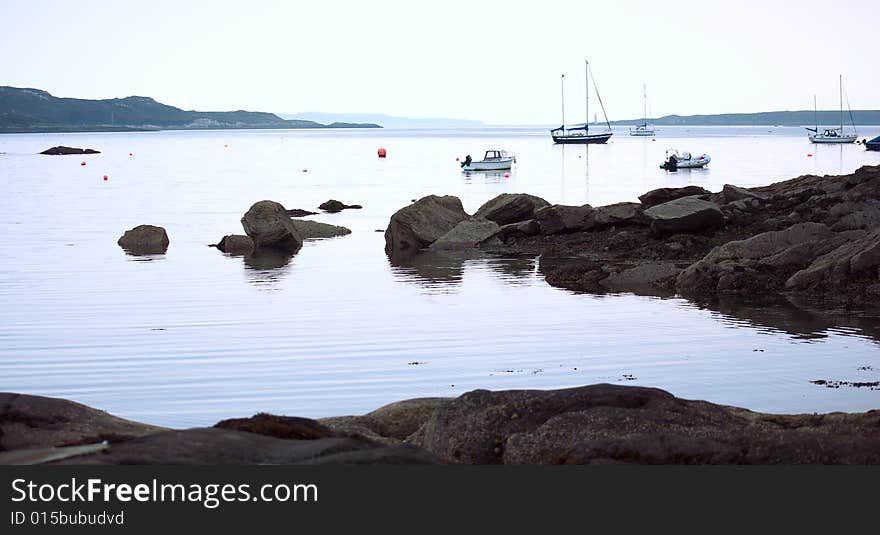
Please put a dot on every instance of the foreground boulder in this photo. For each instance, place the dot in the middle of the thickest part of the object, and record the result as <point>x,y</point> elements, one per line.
<point>61,150</point>
<point>422,223</point>
<point>28,422</point>
<point>313,230</point>
<point>465,235</point>
<point>271,425</point>
<point>236,244</point>
<point>605,423</point>
<point>388,424</point>
<point>510,208</point>
<point>144,240</point>
<point>686,214</point>
<point>662,195</point>
<point>333,206</point>
<point>269,226</point>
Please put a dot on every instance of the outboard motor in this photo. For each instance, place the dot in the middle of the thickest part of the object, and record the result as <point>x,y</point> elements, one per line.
<point>671,164</point>
<point>467,160</point>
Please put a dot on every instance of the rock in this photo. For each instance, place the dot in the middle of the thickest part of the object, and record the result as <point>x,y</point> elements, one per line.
<point>465,235</point>
<point>760,263</point>
<point>286,427</point>
<point>333,206</point>
<point>521,229</point>
<point>560,219</point>
<point>643,276</point>
<point>144,240</point>
<point>311,230</point>
<point>731,193</point>
<point>296,212</point>
<point>236,244</point>
<point>686,214</point>
<point>422,223</point>
<point>510,208</point>
<point>41,422</point>
<point>618,424</point>
<point>854,215</point>
<point>268,224</point>
<point>394,455</point>
<point>62,150</point>
<point>622,213</point>
<point>390,423</point>
<point>852,261</point>
<point>662,195</point>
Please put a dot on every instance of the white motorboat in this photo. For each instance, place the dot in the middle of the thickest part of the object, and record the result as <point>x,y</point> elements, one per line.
<point>834,135</point>
<point>684,160</point>
<point>494,160</point>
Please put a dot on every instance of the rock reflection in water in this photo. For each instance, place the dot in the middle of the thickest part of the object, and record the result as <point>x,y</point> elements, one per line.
<point>267,266</point>
<point>443,272</point>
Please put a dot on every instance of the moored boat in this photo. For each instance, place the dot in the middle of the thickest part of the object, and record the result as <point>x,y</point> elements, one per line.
<point>873,144</point>
<point>494,160</point>
<point>684,160</point>
<point>581,134</point>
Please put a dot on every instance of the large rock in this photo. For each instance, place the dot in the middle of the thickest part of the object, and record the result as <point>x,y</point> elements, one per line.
<point>857,259</point>
<point>644,276</point>
<point>662,195</point>
<point>144,240</point>
<point>313,230</point>
<point>236,244</point>
<point>760,263</point>
<point>561,219</point>
<point>465,235</point>
<point>510,208</point>
<point>390,423</point>
<point>617,424</point>
<point>61,150</point>
<point>731,193</point>
<point>271,425</point>
<point>268,224</point>
<point>686,214</point>
<point>620,214</point>
<point>420,224</point>
<point>41,422</point>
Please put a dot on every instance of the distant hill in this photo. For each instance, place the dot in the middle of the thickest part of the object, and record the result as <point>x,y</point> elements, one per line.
<point>767,118</point>
<point>35,110</point>
<point>386,121</point>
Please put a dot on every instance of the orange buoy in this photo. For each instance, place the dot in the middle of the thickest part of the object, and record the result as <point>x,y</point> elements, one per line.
<point>382,152</point>
<point>105,177</point>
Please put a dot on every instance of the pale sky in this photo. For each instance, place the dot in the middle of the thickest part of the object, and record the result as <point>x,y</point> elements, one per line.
<point>498,62</point>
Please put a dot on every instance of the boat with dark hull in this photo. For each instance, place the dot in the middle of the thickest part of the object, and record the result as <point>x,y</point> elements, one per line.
<point>580,134</point>
<point>873,144</point>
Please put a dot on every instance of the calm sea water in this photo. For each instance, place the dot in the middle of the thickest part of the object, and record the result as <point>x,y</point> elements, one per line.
<point>194,336</point>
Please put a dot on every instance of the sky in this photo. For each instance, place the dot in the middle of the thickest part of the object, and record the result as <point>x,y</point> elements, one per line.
<point>497,62</point>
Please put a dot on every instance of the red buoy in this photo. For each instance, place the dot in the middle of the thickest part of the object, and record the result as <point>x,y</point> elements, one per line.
<point>456,158</point>
<point>382,152</point>
<point>808,156</point>
<point>506,175</point>
<point>105,177</point>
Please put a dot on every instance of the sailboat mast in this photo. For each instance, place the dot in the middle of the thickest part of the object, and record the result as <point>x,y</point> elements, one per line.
<point>587,93</point>
<point>645,97</point>
<point>815,114</point>
<point>562,83</point>
<point>840,88</point>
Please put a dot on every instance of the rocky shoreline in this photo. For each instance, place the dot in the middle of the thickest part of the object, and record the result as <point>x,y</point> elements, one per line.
<point>811,237</point>
<point>596,424</point>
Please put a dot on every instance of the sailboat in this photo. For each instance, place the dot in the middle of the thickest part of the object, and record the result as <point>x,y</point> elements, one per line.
<point>581,134</point>
<point>643,129</point>
<point>833,135</point>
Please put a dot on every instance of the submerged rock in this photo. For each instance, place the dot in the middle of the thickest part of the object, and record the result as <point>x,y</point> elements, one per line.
<point>144,240</point>
<point>296,212</point>
<point>312,230</point>
<point>335,206</point>
<point>61,150</point>
<point>269,226</point>
<point>236,244</point>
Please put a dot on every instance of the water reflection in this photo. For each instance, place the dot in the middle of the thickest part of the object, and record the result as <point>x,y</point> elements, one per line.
<point>443,272</point>
<point>267,266</point>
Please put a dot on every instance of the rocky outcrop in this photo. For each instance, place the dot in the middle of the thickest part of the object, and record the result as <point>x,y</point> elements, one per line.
<point>422,223</point>
<point>313,230</point>
<point>620,214</point>
<point>510,208</point>
<point>853,265</point>
<point>465,235</point>
<point>61,150</point>
<point>390,423</point>
<point>685,214</point>
<point>236,244</point>
<point>561,219</point>
<point>144,240</point>
<point>604,423</point>
<point>662,195</point>
<point>334,206</point>
<point>271,425</point>
<point>28,422</point>
<point>269,226</point>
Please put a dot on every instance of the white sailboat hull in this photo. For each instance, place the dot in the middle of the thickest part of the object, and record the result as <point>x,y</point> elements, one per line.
<point>641,132</point>
<point>819,138</point>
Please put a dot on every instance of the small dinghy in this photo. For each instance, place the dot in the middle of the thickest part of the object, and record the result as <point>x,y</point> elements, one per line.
<point>674,160</point>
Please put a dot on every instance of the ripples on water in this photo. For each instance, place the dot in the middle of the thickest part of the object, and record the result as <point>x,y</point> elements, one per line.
<point>193,336</point>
